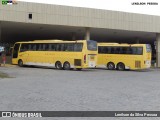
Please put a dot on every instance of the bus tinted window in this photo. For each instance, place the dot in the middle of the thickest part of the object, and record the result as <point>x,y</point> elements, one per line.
<point>60,47</point>
<point>39,47</point>
<point>69,47</point>
<point>32,47</point>
<point>78,47</point>
<point>46,47</point>
<point>148,48</point>
<point>137,50</point>
<point>120,50</point>
<point>91,45</point>
<point>117,50</point>
<point>52,47</point>
<point>24,47</point>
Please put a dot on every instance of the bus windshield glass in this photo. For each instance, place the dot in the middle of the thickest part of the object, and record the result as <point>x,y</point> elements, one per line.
<point>148,47</point>
<point>91,45</point>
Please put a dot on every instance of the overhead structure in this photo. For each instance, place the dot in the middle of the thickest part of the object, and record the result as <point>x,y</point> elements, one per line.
<point>29,21</point>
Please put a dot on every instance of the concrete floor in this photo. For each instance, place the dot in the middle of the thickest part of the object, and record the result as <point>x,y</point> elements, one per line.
<point>44,89</point>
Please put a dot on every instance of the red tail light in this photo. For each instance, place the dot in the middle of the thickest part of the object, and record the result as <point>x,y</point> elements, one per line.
<point>84,58</point>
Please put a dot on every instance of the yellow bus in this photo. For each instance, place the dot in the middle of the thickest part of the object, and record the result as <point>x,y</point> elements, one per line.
<point>124,56</point>
<point>56,53</point>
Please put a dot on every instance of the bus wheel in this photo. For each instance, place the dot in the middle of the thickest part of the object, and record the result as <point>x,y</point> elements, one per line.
<point>111,66</point>
<point>20,63</point>
<point>66,66</point>
<point>120,66</point>
<point>79,69</point>
<point>58,65</point>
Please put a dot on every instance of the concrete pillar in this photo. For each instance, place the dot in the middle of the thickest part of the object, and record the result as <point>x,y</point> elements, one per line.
<point>158,49</point>
<point>87,34</point>
<point>0,33</point>
<point>73,36</point>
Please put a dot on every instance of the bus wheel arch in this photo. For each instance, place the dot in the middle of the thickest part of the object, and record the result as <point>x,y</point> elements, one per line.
<point>20,63</point>
<point>120,66</point>
<point>66,65</point>
<point>58,65</point>
<point>110,65</point>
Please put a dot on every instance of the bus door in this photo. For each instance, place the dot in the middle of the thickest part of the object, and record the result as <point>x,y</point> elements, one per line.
<point>148,55</point>
<point>92,53</point>
<point>15,53</point>
<point>23,52</point>
<point>91,60</point>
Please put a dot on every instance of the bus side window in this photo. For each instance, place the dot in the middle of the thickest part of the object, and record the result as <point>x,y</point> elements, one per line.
<point>78,47</point>
<point>99,49</point>
<point>58,47</point>
<point>103,50</point>
<point>117,50</point>
<point>121,50</point>
<point>70,47</point>
<point>46,47</point>
<point>112,50</point>
<point>107,50</point>
<point>139,50</point>
<point>52,47</point>
<point>32,47</point>
<point>124,50</point>
<point>24,47</point>
<point>129,50</point>
<point>62,47</point>
<point>39,47</point>
<point>134,50</point>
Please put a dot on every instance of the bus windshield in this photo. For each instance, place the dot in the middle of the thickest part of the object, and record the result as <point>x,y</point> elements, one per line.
<point>91,45</point>
<point>148,47</point>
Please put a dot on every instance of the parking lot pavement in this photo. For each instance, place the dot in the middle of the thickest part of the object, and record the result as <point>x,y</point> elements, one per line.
<point>91,89</point>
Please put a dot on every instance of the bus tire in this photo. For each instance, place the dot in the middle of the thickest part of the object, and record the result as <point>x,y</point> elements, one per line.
<point>58,65</point>
<point>120,66</point>
<point>20,63</point>
<point>79,69</point>
<point>111,66</point>
<point>66,66</point>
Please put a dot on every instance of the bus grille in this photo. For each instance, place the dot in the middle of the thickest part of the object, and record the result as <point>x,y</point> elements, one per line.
<point>77,62</point>
<point>137,64</point>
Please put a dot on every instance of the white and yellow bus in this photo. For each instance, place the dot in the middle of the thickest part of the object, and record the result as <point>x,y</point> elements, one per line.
<point>56,53</point>
<point>124,56</point>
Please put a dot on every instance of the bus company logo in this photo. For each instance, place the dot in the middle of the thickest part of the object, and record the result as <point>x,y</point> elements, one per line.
<point>6,114</point>
<point>9,2</point>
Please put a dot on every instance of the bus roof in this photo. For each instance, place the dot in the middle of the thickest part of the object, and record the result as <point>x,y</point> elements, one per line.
<point>51,41</point>
<point>118,44</point>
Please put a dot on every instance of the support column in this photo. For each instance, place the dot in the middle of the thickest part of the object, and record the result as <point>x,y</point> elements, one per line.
<point>0,33</point>
<point>73,36</point>
<point>158,49</point>
<point>87,34</point>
